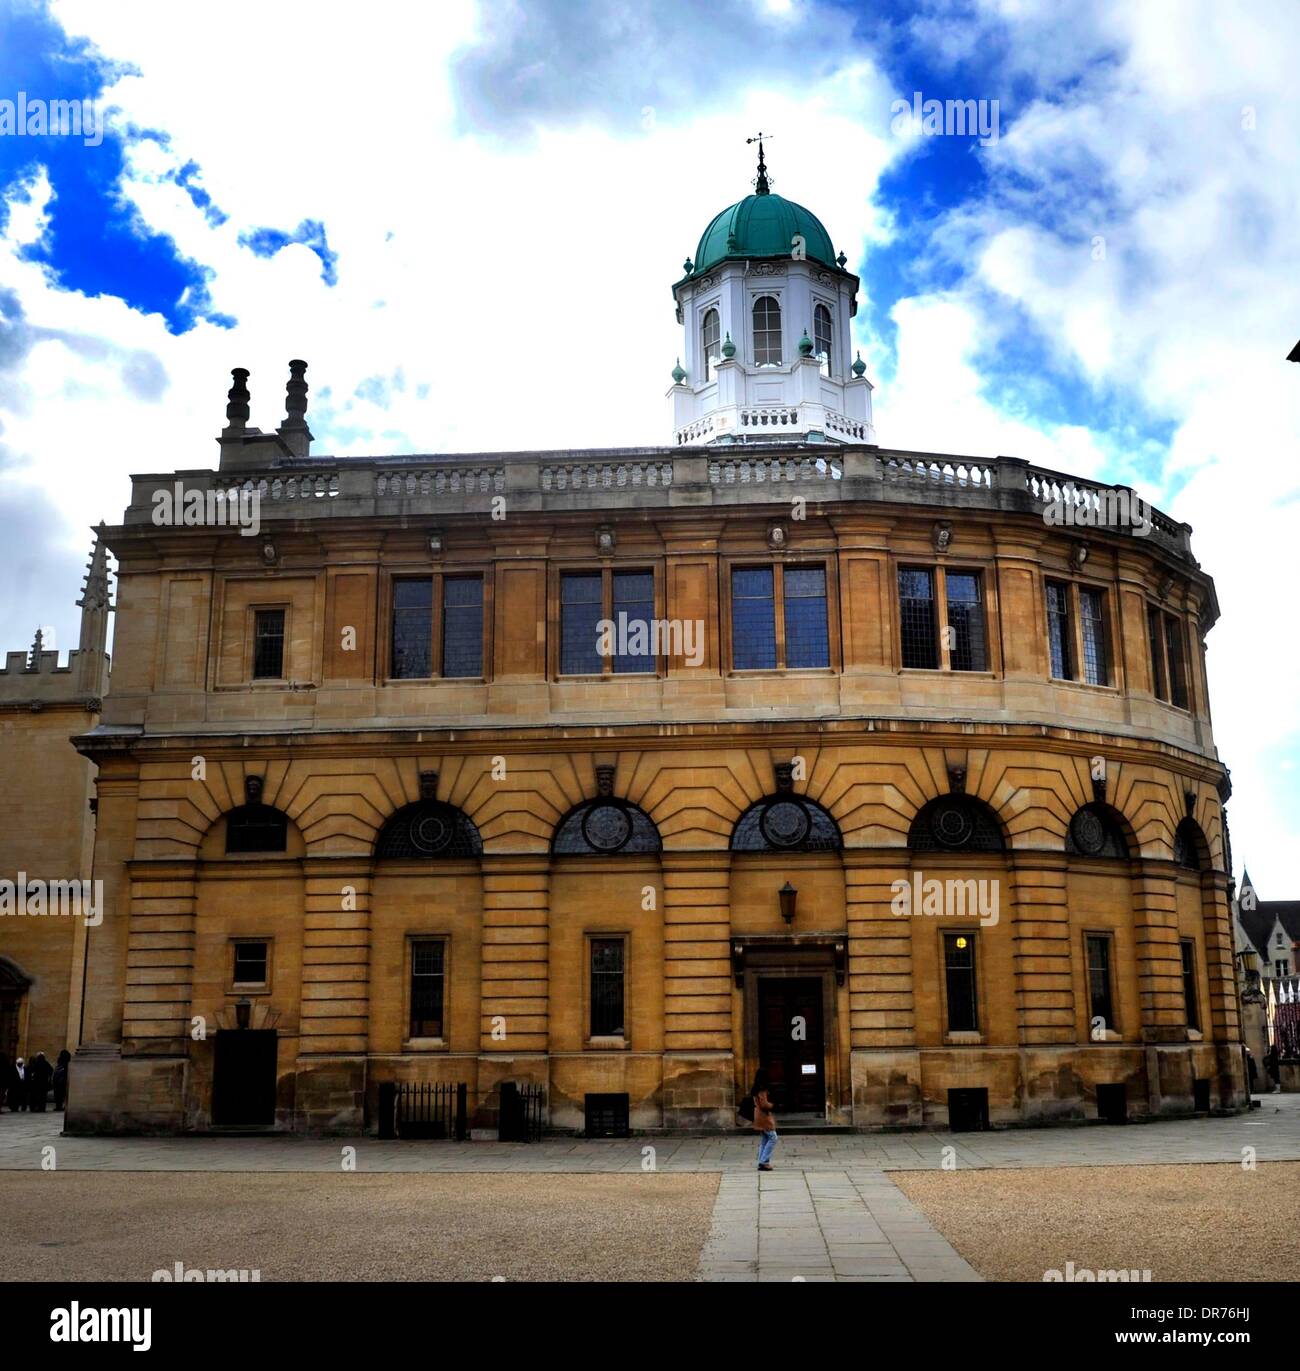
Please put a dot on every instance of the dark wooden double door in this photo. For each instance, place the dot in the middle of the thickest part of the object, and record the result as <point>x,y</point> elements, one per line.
<point>243,1077</point>
<point>791,1044</point>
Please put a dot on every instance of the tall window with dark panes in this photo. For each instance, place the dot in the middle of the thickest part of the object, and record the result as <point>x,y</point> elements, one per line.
<point>753,618</point>
<point>581,610</point>
<point>1155,637</point>
<point>959,973</point>
<point>1100,1003</point>
<point>1060,635</point>
<point>251,963</point>
<point>607,989</point>
<point>268,644</point>
<point>1092,625</point>
<point>462,626</point>
<point>1189,984</point>
<point>965,621</point>
<point>428,977</point>
<point>767,331</point>
<point>918,625</point>
<point>822,337</point>
<point>807,635</point>
<point>412,654</point>
<point>633,617</point>
<point>1174,662</point>
<point>709,340</point>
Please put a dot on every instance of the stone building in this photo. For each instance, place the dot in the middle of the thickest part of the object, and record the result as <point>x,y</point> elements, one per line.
<point>47,828</point>
<point>626,772</point>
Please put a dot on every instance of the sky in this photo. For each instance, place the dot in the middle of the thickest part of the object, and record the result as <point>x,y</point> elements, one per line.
<point>467,218</point>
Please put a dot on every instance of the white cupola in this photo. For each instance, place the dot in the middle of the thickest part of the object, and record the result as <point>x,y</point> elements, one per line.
<point>766,307</point>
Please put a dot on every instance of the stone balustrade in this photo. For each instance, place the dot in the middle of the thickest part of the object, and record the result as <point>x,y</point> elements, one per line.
<point>640,478</point>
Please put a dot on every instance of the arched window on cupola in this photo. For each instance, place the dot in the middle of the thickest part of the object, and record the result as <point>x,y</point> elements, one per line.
<point>955,823</point>
<point>710,342</point>
<point>1096,830</point>
<point>606,826</point>
<point>822,342</point>
<point>428,828</point>
<point>767,331</point>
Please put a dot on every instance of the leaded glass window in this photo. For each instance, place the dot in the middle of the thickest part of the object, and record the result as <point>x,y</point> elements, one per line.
<point>428,986</point>
<point>633,617</point>
<point>1177,676</point>
<point>462,626</point>
<point>753,619</point>
<point>807,637</point>
<point>1092,623</point>
<point>413,628</point>
<point>268,644</point>
<point>822,336</point>
<point>581,601</point>
<point>1159,681</point>
<point>1060,634</point>
<point>959,973</point>
<point>1100,1005</point>
<point>710,337</point>
<point>767,331</point>
<point>918,626</point>
<point>1189,984</point>
<point>965,622</point>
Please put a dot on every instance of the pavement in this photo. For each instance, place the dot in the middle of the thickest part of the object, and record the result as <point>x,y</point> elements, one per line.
<point>829,1211</point>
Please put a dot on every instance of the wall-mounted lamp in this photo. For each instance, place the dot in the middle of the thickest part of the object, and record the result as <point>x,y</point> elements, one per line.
<point>787,895</point>
<point>243,1011</point>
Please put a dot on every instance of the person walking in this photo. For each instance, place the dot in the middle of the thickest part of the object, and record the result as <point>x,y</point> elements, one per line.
<point>18,1088</point>
<point>1271,1065</point>
<point>38,1080</point>
<point>61,1079</point>
<point>764,1120</point>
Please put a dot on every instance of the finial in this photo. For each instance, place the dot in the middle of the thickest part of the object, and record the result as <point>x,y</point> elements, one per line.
<point>688,266</point>
<point>294,430</point>
<point>859,367</point>
<point>237,395</point>
<point>805,345</point>
<point>761,185</point>
<point>841,260</point>
<point>678,374</point>
<point>94,594</point>
<point>728,348</point>
<point>38,644</point>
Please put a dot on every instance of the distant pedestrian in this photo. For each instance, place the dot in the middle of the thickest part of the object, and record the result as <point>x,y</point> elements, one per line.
<point>1251,1068</point>
<point>1271,1064</point>
<point>18,1088</point>
<point>38,1083</point>
<point>764,1120</point>
<point>61,1079</point>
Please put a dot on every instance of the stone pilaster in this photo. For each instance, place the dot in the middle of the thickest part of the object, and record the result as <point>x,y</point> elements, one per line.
<point>886,1065</point>
<point>698,1056</point>
<point>160,959</point>
<point>516,954</point>
<point>1169,1067</point>
<point>1225,1025</point>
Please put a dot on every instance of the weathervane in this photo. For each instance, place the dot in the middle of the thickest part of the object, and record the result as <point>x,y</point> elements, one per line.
<point>761,184</point>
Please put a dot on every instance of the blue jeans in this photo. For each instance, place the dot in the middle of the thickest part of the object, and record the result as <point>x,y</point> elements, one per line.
<point>766,1146</point>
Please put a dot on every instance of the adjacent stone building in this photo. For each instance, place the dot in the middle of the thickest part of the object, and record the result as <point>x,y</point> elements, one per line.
<point>627,772</point>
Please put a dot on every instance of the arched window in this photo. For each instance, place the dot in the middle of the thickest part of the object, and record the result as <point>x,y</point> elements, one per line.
<point>786,822</point>
<point>429,828</point>
<point>1190,848</point>
<point>605,827</point>
<point>955,823</point>
<point>1096,831</point>
<point>767,331</point>
<point>822,337</point>
<point>710,338</point>
<point>256,828</point>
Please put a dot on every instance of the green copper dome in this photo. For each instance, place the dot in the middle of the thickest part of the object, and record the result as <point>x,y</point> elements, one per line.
<point>763,225</point>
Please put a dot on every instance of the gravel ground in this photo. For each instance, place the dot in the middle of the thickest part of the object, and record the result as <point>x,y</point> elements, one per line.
<point>98,1226</point>
<point>1183,1223</point>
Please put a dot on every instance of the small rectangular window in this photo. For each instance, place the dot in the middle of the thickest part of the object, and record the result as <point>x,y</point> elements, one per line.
<point>633,619</point>
<point>607,987</point>
<point>1282,967</point>
<point>807,638</point>
<point>1189,984</point>
<point>1092,622</point>
<point>918,627</point>
<point>753,619</point>
<point>413,628</point>
<point>581,601</point>
<point>965,622</point>
<point>1100,1004</point>
<point>428,973</point>
<point>1060,635</point>
<point>1155,639</point>
<point>462,626</point>
<point>959,971</point>
<point>250,963</point>
<point>268,644</point>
